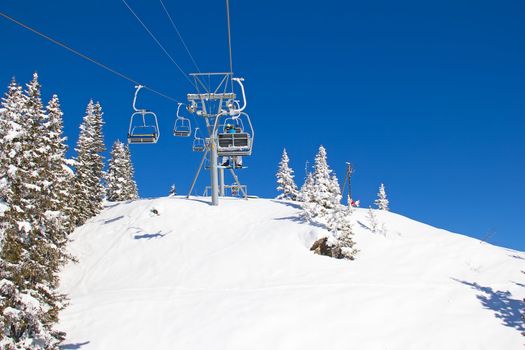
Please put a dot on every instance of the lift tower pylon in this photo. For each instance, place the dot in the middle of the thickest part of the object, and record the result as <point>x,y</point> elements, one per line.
<point>214,93</point>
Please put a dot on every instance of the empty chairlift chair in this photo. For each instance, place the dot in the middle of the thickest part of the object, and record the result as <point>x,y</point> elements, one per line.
<point>143,126</point>
<point>182,127</point>
<point>198,143</point>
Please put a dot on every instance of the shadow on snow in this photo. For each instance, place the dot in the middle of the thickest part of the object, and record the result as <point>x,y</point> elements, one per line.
<point>289,204</point>
<point>505,308</point>
<point>73,346</point>
<point>140,234</point>
<point>109,221</point>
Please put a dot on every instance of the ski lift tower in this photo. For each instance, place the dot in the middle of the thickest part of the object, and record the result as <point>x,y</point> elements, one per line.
<point>213,100</point>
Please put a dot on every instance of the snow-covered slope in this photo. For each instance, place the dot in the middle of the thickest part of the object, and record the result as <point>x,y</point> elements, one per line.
<point>241,276</point>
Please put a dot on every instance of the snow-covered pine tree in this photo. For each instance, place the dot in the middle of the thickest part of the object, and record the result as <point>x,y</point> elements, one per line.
<point>305,194</point>
<point>382,202</point>
<point>285,179</point>
<point>89,191</point>
<point>372,221</point>
<point>133,192</point>
<point>57,177</point>
<point>11,111</point>
<point>305,197</point>
<point>324,192</point>
<point>31,254</point>
<point>121,186</point>
<point>340,226</point>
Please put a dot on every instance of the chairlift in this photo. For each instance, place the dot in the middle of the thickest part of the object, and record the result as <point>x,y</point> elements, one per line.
<point>182,127</point>
<point>199,144</point>
<point>237,141</point>
<point>143,125</point>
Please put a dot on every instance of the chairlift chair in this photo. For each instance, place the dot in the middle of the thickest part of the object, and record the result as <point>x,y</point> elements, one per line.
<point>143,125</point>
<point>239,143</point>
<point>182,127</point>
<point>199,144</point>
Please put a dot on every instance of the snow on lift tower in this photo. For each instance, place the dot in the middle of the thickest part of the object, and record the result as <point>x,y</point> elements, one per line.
<point>182,127</point>
<point>143,125</point>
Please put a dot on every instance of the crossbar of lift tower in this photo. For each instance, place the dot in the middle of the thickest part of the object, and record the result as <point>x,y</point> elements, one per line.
<point>211,96</point>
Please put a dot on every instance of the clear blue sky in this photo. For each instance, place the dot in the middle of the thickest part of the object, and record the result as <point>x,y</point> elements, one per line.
<point>425,96</point>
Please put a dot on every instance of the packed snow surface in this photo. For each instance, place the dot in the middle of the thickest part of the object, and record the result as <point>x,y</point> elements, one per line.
<point>241,276</point>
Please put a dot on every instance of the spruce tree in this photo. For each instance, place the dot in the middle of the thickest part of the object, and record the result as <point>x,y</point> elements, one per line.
<point>285,180</point>
<point>11,112</point>
<point>324,192</point>
<point>88,187</point>
<point>382,202</point>
<point>372,221</point>
<point>133,191</point>
<point>121,185</point>
<point>340,226</point>
<point>306,192</point>
<point>58,176</point>
<point>305,197</point>
<point>31,252</point>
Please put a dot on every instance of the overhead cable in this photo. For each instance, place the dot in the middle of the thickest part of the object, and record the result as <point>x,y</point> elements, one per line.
<point>92,60</point>
<point>158,42</point>
<point>180,36</point>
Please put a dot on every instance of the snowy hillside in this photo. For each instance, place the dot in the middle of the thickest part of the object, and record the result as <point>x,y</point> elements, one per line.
<point>241,276</point>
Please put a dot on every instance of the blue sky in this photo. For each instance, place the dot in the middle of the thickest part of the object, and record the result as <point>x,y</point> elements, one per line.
<point>425,96</point>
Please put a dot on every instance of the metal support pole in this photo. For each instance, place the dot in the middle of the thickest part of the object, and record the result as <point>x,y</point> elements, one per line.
<point>221,182</point>
<point>214,181</point>
<point>239,184</point>
<point>197,174</point>
<point>347,182</point>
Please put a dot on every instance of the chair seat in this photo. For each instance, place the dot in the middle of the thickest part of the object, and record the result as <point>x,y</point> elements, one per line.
<point>181,133</point>
<point>142,138</point>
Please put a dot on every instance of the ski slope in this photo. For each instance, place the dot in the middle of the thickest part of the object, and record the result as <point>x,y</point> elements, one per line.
<point>241,276</point>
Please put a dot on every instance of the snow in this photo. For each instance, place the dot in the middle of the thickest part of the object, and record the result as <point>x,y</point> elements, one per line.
<point>3,207</point>
<point>24,226</point>
<point>241,276</point>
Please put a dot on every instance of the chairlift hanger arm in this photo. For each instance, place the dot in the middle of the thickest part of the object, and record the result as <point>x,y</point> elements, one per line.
<point>137,87</point>
<point>237,111</point>
<point>178,109</point>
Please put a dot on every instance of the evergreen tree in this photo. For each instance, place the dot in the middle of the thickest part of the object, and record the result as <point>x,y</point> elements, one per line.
<point>57,176</point>
<point>11,112</point>
<point>340,225</point>
<point>382,202</point>
<point>133,192</point>
<point>372,221</point>
<point>121,185</point>
<point>88,188</point>
<point>322,193</point>
<point>32,248</point>
<point>285,179</point>
<point>305,194</point>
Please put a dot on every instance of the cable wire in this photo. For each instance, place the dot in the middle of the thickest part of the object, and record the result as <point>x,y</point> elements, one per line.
<point>180,36</point>
<point>157,41</point>
<point>101,65</point>
<point>229,35</point>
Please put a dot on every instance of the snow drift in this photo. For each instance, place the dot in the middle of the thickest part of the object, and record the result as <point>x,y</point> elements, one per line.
<point>241,276</point>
